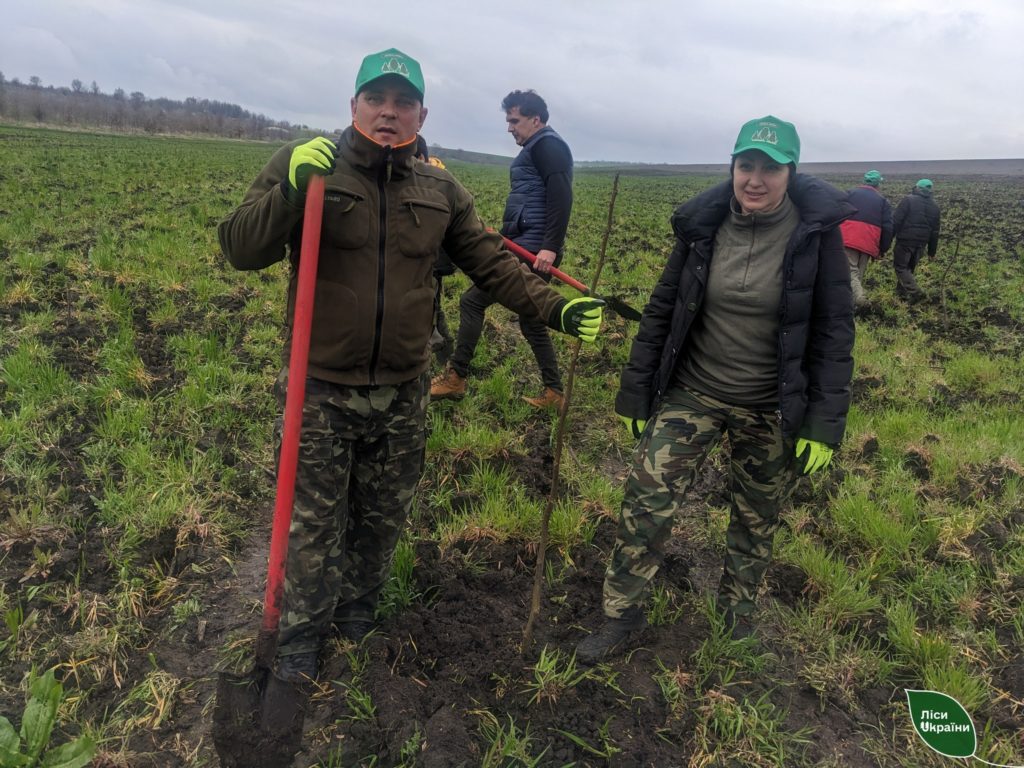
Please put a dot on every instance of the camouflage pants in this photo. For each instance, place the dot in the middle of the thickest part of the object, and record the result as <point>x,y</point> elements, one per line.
<point>762,475</point>
<point>360,459</point>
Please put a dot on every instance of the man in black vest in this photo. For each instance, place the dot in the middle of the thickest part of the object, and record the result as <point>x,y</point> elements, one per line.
<point>536,217</point>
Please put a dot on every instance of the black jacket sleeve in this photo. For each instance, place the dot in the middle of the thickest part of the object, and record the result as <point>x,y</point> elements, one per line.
<point>888,228</point>
<point>829,357</point>
<point>638,377</point>
<point>553,161</point>
<point>933,238</point>
<point>901,215</point>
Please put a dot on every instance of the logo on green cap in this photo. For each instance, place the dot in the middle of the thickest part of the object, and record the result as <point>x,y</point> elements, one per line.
<point>390,62</point>
<point>392,66</point>
<point>765,134</point>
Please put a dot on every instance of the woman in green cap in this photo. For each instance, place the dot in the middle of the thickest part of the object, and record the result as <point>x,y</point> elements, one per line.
<point>747,334</point>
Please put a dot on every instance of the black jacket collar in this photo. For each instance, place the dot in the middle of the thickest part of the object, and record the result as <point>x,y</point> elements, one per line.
<point>821,206</point>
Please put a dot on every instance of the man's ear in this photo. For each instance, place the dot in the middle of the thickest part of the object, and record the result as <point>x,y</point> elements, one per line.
<point>423,116</point>
<point>353,105</point>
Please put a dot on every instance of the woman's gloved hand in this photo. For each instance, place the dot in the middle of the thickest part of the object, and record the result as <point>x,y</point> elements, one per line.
<point>812,456</point>
<point>635,426</point>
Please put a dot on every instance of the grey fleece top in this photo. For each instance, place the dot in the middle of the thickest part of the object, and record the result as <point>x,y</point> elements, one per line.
<point>732,352</point>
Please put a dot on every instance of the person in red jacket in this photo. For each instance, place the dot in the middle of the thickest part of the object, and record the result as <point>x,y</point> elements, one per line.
<point>868,235</point>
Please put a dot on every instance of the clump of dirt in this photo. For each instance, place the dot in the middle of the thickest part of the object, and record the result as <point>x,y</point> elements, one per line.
<point>978,483</point>
<point>917,460</point>
<point>868,448</point>
<point>869,393</point>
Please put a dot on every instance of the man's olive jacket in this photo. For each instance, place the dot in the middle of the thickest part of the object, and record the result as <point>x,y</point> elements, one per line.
<point>386,218</point>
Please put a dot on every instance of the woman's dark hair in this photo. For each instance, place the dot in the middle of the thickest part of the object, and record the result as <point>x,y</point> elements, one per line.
<point>529,103</point>
<point>421,148</point>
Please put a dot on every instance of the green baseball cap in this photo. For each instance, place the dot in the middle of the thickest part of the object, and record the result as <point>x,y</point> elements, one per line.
<point>390,62</point>
<point>873,178</point>
<point>776,138</point>
<point>925,183</point>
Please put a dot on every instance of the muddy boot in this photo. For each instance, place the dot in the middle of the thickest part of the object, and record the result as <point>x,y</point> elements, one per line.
<point>738,627</point>
<point>448,386</point>
<point>354,630</point>
<point>297,667</point>
<point>609,639</point>
<point>549,398</point>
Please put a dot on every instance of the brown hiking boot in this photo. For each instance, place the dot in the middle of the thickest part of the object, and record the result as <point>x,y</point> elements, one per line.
<point>549,398</point>
<point>447,386</point>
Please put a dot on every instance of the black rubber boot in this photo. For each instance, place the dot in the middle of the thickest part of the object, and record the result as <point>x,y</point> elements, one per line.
<point>609,639</point>
<point>355,630</point>
<point>736,626</point>
<point>297,667</point>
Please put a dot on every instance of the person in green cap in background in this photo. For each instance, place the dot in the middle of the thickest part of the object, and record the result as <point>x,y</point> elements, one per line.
<point>917,221</point>
<point>748,334</point>
<point>867,234</point>
<point>386,217</point>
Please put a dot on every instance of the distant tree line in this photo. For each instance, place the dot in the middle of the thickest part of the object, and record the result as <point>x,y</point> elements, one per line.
<point>83,105</point>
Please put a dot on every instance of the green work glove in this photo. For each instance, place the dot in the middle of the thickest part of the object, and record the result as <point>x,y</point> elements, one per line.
<point>635,426</point>
<point>582,318</point>
<point>315,156</point>
<point>812,456</point>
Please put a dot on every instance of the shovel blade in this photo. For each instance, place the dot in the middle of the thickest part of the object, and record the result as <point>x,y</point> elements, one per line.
<point>621,308</point>
<point>258,720</point>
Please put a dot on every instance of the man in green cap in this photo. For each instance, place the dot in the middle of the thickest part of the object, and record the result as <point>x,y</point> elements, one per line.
<point>917,226</point>
<point>867,235</point>
<point>386,217</point>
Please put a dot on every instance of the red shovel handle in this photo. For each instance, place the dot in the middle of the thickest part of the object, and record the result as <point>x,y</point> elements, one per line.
<point>294,400</point>
<point>522,253</point>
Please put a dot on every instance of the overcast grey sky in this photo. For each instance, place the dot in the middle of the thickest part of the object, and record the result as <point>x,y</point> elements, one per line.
<point>648,80</point>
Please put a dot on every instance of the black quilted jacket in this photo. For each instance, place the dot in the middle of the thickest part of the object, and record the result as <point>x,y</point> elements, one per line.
<point>816,329</point>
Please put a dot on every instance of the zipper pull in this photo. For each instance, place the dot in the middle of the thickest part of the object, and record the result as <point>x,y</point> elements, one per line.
<point>388,161</point>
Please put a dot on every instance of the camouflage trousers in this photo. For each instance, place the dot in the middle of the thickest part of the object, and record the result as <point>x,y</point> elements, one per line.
<point>360,458</point>
<point>762,475</point>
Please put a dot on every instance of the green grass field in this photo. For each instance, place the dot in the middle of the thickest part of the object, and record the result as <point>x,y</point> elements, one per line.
<point>136,487</point>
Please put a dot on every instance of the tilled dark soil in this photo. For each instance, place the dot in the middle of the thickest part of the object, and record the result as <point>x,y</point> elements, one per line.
<point>435,670</point>
<point>453,661</point>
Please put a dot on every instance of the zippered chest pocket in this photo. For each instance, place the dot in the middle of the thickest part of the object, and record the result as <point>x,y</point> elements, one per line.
<point>346,223</point>
<point>422,221</point>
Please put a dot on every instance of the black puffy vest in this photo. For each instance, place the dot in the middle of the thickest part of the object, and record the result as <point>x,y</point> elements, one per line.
<point>525,215</point>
